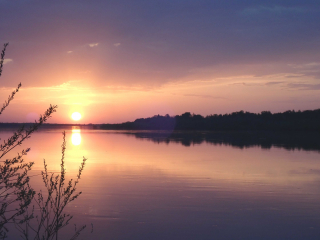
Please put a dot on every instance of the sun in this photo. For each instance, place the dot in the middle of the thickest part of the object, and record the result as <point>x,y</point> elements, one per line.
<point>76,116</point>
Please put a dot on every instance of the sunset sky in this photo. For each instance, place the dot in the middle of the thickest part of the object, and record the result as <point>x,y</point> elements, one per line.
<point>118,60</point>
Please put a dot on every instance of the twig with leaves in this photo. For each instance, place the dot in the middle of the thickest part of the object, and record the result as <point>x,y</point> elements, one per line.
<point>15,192</point>
<point>11,96</point>
<point>51,217</point>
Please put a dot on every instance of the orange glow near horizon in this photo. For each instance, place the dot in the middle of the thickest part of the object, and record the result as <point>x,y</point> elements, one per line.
<point>111,105</point>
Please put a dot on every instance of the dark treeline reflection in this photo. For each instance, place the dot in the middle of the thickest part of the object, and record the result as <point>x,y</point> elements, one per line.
<point>244,139</point>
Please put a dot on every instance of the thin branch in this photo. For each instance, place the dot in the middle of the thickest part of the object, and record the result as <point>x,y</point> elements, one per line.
<point>3,52</point>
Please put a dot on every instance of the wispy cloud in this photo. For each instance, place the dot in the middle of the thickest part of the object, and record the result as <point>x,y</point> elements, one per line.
<point>272,83</point>
<point>254,84</point>
<point>305,65</point>
<point>247,84</point>
<point>278,10</point>
<point>93,44</point>
<point>117,44</point>
<point>305,172</point>
<point>7,60</point>
<point>203,96</point>
<point>66,86</point>
<point>304,86</point>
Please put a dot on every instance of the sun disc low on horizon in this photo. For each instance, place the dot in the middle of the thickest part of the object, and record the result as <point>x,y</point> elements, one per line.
<point>76,116</point>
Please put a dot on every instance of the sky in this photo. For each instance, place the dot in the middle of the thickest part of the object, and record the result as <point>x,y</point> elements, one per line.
<point>118,60</point>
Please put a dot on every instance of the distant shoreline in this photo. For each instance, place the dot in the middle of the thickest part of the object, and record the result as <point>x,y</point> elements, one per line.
<point>48,126</point>
<point>237,121</point>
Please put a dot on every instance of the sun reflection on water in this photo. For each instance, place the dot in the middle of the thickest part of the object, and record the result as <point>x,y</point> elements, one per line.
<point>76,137</point>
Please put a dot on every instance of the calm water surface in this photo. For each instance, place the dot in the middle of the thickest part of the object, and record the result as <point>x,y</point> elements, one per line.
<point>141,189</point>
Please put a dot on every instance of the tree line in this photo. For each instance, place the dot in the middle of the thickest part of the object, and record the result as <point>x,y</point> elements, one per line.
<point>286,121</point>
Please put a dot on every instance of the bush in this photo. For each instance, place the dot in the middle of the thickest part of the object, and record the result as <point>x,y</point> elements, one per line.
<point>17,196</point>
